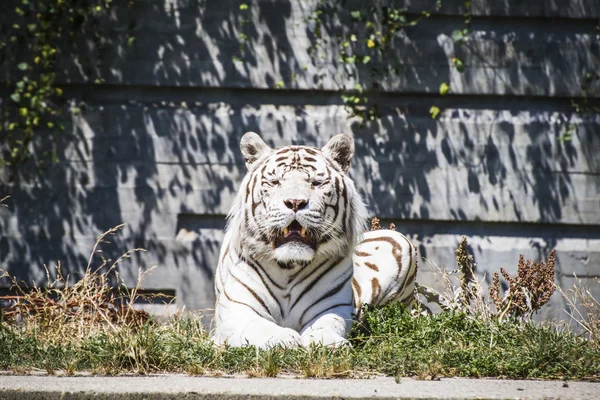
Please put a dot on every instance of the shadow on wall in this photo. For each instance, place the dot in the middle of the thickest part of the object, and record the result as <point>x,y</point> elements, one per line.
<point>156,146</point>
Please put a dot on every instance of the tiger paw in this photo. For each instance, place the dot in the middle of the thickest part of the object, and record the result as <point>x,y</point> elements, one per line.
<point>284,337</point>
<point>325,338</point>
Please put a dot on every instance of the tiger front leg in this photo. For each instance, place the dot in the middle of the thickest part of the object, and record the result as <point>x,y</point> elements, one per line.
<point>330,328</point>
<point>239,327</point>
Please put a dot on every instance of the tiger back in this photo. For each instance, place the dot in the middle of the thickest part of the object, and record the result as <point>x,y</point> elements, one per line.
<point>290,271</point>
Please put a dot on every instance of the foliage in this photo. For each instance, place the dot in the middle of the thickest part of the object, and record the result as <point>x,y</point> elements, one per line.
<point>460,344</point>
<point>35,34</point>
<point>365,40</point>
<point>91,326</point>
<point>391,341</point>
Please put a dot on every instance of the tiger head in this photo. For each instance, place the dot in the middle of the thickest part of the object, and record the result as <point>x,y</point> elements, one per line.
<point>296,203</point>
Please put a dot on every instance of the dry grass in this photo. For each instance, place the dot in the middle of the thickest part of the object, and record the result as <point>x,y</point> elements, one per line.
<point>584,309</point>
<point>99,302</point>
<point>452,298</point>
<point>462,289</point>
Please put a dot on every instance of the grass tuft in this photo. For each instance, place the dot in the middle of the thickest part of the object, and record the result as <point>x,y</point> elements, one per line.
<point>91,325</point>
<point>390,341</point>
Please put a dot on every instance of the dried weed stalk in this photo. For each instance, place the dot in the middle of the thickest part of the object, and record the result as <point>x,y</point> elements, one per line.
<point>584,309</point>
<point>466,266</point>
<point>528,291</point>
<point>451,298</point>
<point>376,225</point>
<point>63,311</point>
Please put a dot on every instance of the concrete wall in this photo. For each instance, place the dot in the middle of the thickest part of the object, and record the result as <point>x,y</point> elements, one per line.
<point>156,145</point>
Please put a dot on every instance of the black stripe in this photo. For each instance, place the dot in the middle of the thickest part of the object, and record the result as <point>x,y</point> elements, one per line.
<point>266,285</point>
<point>326,295</point>
<point>254,205</point>
<point>293,276</point>
<point>336,206</point>
<point>345,213</point>
<point>325,310</point>
<point>305,166</point>
<point>253,293</point>
<point>256,266</point>
<point>247,305</point>
<point>314,281</point>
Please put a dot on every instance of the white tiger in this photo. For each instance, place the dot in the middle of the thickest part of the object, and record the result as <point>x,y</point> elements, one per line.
<point>289,272</point>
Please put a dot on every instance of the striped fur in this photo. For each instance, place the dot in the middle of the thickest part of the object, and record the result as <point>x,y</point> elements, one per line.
<point>290,270</point>
<point>385,268</point>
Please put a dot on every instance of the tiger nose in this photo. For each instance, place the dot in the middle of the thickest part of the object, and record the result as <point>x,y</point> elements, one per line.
<point>295,204</point>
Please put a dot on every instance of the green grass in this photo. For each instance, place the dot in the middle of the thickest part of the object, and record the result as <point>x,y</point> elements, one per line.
<point>389,342</point>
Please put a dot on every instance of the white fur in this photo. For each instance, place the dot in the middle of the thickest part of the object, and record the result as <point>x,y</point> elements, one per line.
<point>295,294</point>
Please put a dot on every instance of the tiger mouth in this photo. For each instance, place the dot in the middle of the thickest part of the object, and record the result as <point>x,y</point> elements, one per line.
<point>294,232</point>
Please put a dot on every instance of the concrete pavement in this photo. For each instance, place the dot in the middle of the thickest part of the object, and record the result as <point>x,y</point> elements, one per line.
<point>187,387</point>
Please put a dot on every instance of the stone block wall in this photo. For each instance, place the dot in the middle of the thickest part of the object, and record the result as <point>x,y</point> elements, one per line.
<point>156,145</point>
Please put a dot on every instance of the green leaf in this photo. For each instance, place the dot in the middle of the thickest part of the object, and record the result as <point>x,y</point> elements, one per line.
<point>356,14</point>
<point>130,40</point>
<point>358,87</point>
<point>457,35</point>
<point>16,97</point>
<point>458,64</point>
<point>444,88</point>
<point>23,66</point>
<point>434,112</point>
<point>243,6</point>
<point>366,59</point>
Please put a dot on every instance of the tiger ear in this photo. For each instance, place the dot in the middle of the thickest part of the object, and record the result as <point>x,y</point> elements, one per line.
<point>253,148</point>
<point>341,149</point>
